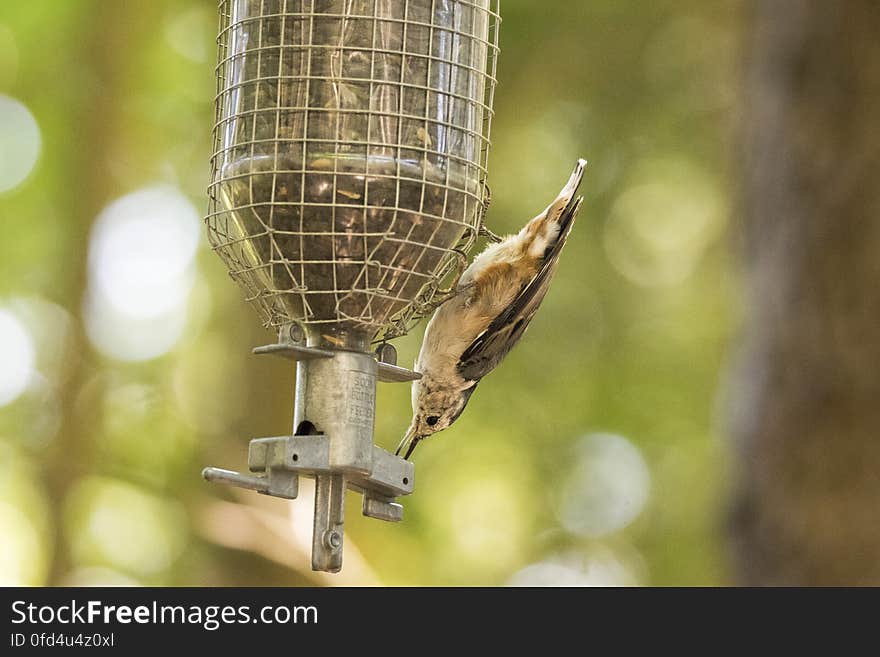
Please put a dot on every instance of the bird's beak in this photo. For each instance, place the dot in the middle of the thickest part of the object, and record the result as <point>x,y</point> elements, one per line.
<point>410,440</point>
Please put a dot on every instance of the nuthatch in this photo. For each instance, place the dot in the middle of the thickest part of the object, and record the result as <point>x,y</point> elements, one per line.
<point>494,301</point>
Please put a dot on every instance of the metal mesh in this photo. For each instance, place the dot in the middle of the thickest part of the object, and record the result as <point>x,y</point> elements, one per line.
<point>350,150</point>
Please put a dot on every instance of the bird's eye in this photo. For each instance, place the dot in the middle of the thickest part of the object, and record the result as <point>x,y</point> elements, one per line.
<point>432,420</point>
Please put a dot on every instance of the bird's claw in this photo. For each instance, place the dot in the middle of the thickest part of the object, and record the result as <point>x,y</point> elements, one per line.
<point>488,234</point>
<point>447,293</point>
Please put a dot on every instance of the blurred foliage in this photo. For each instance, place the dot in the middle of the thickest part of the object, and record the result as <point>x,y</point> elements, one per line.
<point>590,457</point>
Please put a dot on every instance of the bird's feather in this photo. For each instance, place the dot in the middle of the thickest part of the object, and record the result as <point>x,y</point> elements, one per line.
<point>493,344</point>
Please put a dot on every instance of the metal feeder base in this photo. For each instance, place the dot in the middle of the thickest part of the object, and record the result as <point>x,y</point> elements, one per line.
<point>335,394</point>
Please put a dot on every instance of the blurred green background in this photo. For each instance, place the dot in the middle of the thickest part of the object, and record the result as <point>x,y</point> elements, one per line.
<point>592,456</point>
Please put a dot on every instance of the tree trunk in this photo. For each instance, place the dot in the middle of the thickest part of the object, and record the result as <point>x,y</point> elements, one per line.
<point>806,417</point>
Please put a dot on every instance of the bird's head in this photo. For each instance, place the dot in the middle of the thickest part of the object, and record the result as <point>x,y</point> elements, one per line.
<point>434,409</point>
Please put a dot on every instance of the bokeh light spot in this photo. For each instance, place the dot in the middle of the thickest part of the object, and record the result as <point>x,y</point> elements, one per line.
<point>141,273</point>
<point>607,488</point>
<point>19,143</point>
<point>19,548</point>
<point>17,357</point>
<point>661,225</point>
<point>117,524</point>
<point>141,251</point>
<point>119,336</point>
<point>600,566</point>
<point>191,33</point>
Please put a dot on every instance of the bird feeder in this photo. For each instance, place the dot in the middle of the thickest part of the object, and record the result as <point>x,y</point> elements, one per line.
<point>348,178</point>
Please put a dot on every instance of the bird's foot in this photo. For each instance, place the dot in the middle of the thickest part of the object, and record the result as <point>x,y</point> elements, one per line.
<point>488,234</point>
<point>447,293</point>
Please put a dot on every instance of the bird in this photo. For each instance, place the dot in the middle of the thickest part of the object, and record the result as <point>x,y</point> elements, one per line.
<point>493,303</point>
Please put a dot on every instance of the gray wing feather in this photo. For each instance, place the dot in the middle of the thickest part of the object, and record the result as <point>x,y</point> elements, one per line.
<point>492,345</point>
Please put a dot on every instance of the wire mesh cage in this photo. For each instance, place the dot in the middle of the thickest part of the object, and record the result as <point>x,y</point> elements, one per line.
<point>350,150</point>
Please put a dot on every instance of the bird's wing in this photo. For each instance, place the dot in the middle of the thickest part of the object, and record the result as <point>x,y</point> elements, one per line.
<point>493,344</point>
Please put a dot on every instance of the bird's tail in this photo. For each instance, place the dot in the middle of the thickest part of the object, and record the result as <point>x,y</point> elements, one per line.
<point>560,214</point>
<point>560,209</point>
